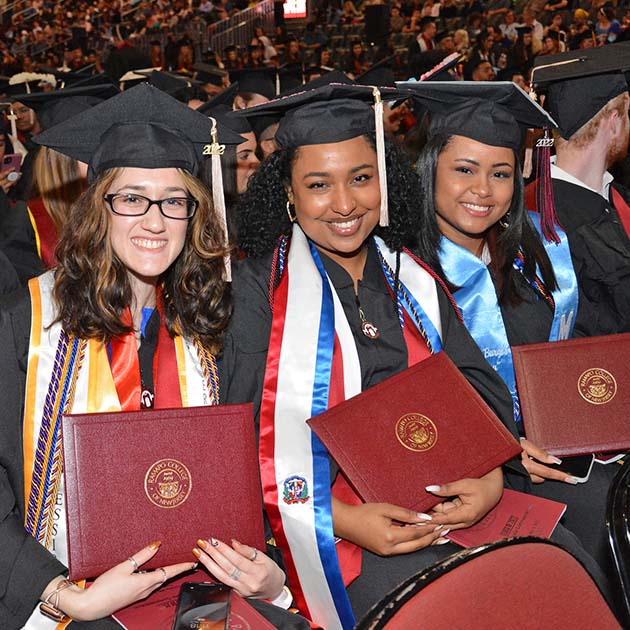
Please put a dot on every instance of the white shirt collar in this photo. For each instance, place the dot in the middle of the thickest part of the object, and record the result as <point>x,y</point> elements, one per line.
<point>558,173</point>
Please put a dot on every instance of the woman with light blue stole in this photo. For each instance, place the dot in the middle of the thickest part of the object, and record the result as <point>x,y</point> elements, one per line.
<point>510,269</point>
<point>330,302</point>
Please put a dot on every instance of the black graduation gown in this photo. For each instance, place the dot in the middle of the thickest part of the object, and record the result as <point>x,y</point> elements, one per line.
<point>600,250</point>
<point>243,368</point>
<point>17,240</point>
<point>9,280</point>
<point>26,567</point>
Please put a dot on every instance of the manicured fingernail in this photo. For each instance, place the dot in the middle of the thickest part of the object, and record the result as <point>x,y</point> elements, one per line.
<point>555,460</point>
<point>424,517</point>
<point>446,531</point>
<point>442,541</point>
<point>155,545</point>
<point>432,488</point>
<point>214,542</point>
<point>571,480</point>
<point>202,543</point>
<point>196,553</point>
<point>438,528</point>
<point>194,565</point>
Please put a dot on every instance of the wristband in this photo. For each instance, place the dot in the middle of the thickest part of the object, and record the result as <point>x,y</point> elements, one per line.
<point>284,599</point>
<point>50,610</point>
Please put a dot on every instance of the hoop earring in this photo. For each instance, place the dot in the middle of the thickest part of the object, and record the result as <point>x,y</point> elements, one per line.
<point>504,221</point>
<point>292,217</point>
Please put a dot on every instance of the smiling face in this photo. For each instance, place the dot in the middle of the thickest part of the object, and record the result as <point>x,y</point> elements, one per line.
<point>147,245</point>
<point>336,194</point>
<point>474,185</point>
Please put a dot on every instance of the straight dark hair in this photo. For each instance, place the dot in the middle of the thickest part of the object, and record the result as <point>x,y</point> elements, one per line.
<point>504,242</point>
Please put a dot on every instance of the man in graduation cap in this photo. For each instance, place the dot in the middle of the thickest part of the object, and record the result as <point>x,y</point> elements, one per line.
<point>587,95</point>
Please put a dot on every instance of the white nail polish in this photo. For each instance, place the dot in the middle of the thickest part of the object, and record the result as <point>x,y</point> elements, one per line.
<point>438,528</point>
<point>432,488</point>
<point>424,517</point>
<point>571,480</point>
<point>442,541</point>
<point>555,460</point>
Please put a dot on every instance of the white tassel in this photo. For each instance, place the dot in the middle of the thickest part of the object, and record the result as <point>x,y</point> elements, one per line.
<point>12,118</point>
<point>380,157</point>
<point>218,198</point>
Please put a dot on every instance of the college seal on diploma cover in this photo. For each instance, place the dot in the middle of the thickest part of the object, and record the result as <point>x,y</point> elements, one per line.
<point>167,483</point>
<point>416,432</point>
<point>597,386</point>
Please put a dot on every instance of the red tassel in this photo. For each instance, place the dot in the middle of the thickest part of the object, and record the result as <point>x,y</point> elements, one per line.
<point>544,190</point>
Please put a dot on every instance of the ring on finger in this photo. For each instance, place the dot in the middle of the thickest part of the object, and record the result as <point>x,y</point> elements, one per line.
<point>164,576</point>
<point>134,563</point>
<point>254,555</point>
<point>235,574</point>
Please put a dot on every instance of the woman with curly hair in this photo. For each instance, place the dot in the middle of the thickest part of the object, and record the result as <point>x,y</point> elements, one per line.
<point>511,269</point>
<point>329,296</point>
<point>137,305</point>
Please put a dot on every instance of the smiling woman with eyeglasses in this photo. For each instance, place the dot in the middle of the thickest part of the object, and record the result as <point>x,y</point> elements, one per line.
<point>131,318</point>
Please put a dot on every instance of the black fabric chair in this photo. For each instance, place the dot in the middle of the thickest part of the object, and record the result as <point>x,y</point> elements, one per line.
<point>524,583</point>
<point>618,522</point>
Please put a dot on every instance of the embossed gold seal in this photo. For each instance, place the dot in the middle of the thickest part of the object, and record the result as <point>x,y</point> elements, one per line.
<point>597,386</point>
<point>416,432</point>
<point>167,483</point>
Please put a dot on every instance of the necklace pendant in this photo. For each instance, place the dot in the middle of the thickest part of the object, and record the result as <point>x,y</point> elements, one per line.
<point>369,330</point>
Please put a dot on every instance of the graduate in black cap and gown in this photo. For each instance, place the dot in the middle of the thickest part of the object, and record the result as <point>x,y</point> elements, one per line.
<point>512,270</point>
<point>588,97</point>
<point>326,223</point>
<point>135,308</point>
<point>29,230</point>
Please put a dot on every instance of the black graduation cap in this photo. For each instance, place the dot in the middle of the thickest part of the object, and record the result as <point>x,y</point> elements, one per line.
<point>524,30</point>
<point>226,97</point>
<point>141,127</point>
<point>580,82</point>
<point>57,106</point>
<point>207,73</point>
<point>553,34</point>
<point>491,112</point>
<point>329,114</point>
<point>427,19</point>
<point>225,115</point>
<point>175,85</point>
<point>380,74</point>
<point>328,78</point>
<point>30,86</point>
<point>256,80</point>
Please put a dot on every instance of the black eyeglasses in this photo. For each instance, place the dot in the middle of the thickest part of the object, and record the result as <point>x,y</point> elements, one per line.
<point>131,205</point>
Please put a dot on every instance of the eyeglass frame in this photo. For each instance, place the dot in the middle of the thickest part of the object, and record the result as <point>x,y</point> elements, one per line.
<point>109,199</point>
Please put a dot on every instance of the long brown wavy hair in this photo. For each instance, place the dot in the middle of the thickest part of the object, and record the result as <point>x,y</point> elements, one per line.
<point>92,288</point>
<point>56,179</point>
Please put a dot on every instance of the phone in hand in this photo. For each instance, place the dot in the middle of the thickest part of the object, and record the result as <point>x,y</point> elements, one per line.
<point>11,162</point>
<point>579,466</point>
<point>203,606</point>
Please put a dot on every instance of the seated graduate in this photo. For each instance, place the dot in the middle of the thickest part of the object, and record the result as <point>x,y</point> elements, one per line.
<point>511,270</point>
<point>321,295</point>
<point>139,290</point>
<point>29,230</point>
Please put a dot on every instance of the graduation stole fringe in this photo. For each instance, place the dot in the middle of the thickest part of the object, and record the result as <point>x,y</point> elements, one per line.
<point>47,466</point>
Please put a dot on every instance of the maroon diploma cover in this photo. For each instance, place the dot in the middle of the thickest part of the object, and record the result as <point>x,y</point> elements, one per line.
<point>575,394</point>
<point>426,425</point>
<point>173,475</point>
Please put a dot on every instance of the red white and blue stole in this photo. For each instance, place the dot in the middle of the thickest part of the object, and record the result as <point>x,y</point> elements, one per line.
<point>477,299</point>
<point>313,363</point>
<point>70,375</point>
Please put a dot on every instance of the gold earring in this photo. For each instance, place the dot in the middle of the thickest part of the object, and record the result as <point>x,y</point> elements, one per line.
<point>292,217</point>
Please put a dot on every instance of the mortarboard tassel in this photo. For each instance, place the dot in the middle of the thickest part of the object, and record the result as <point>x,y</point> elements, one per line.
<point>12,118</point>
<point>380,157</point>
<point>218,198</point>
<point>544,191</point>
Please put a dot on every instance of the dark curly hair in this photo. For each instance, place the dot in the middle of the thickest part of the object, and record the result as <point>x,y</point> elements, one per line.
<point>504,243</point>
<point>92,288</point>
<point>262,215</point>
